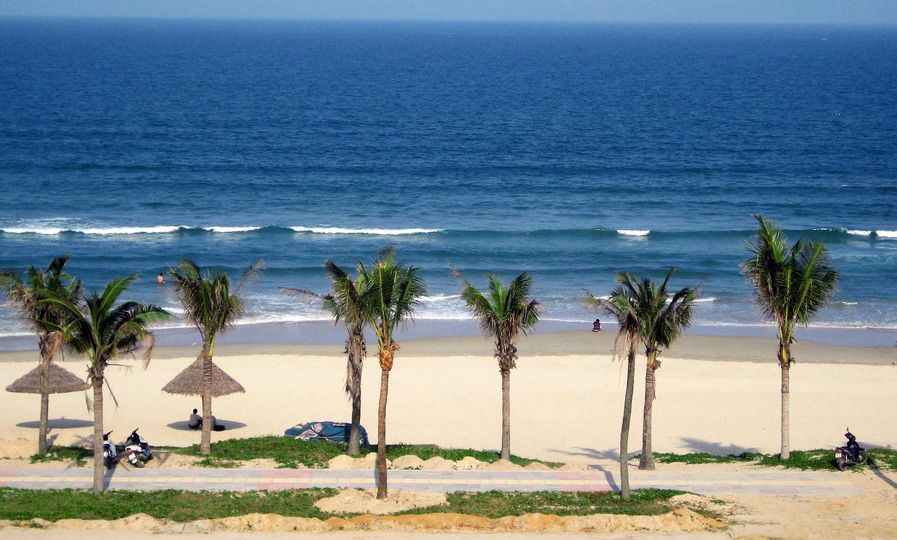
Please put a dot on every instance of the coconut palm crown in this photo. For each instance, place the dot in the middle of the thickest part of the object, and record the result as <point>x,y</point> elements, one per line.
<point>394,290</point>
<point>503,314</point>
<point>791,285</point>
<point>103,331</point>
<point>28,296</point>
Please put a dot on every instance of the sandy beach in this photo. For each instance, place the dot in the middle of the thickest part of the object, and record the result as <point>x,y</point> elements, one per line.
<point>715,394</point>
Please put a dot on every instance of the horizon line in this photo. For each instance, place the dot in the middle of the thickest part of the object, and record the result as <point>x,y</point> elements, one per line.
<point>225,18</point>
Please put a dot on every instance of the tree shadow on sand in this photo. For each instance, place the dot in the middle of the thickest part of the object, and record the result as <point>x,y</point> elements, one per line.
<point>228,425</point>
<point>58,423</point>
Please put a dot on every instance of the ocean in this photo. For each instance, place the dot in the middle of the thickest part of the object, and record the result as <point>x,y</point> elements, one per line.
<point>570,151</point>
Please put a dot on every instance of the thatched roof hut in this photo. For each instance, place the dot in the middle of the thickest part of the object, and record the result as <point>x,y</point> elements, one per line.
<point>59,381</point>
<point>189,381</point>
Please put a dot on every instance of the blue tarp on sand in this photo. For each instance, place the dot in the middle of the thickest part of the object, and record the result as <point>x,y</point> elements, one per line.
<point>325,431</point>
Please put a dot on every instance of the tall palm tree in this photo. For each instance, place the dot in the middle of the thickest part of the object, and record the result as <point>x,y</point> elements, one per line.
<point>28,296</point>
<point>621,305</point>
<point>212,308</point>
<point>102,331</point>
<point>394,290</point>
<point>503,315</point>
<point>661,318</point>
<point>791,285</point>
<point>346,302</point>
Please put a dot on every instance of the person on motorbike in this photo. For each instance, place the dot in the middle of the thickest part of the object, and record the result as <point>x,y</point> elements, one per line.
<point>852,446</point>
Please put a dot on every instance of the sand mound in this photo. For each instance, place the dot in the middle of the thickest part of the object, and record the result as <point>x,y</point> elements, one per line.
<point>468,463</point>
<point>357,501</point>
<point>503,465</point>
<point>369,462</point>
<point>20,448</point>
<point>534,466</point>
<point>341,462</point>
<point>407,462</point>
<point>681,520</point>
<point>437,464</point>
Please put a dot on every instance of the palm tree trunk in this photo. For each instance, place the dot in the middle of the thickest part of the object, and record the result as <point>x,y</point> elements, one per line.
<point>205,444</point>
<point>381,435</point>
<point>785,364</point>
<point>43,427</point>
<point>356,350</point>
<point>624,430</point>
<point>506,414</point>
<point>99,468</point>
<point>647,460</point>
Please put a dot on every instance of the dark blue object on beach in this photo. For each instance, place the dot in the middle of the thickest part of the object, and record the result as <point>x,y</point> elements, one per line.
<point>325,431</point>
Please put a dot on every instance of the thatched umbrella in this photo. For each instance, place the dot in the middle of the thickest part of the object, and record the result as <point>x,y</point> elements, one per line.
<point>189,381</point>
<point>59,381</point>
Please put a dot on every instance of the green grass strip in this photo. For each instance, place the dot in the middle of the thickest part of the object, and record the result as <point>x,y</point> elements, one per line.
<point>180,506</point>
<point>806,460</point>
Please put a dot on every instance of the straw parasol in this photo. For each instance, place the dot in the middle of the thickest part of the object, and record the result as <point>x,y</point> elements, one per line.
<point>189,381</point>
<point>59,381</point>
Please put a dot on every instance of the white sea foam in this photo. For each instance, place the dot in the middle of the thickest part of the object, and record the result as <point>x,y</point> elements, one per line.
<point>846,303</point>
<point>633,232</point>
<point>93,230</point>
<point>705,300</point>
<point>226,229</point>
<point>32,230</point>
<point>886,234</point>
<point>858,232</point>
<point>377,232</point>
<point>439,297</point>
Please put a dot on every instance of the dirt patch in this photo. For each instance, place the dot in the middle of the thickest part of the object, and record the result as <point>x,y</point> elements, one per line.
<point>681,520</point>
<point>357,501</point>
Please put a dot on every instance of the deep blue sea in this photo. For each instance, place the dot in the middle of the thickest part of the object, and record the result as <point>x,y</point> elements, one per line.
<point>569,151</point>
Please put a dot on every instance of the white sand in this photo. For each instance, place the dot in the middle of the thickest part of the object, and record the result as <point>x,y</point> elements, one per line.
<point>564,408</point>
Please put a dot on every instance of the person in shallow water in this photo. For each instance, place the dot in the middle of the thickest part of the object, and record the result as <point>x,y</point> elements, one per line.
<point>596,326</point>
<point>160,279</point>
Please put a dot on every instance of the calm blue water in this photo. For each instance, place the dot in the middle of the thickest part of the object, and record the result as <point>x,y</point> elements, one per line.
<point>553,149</point>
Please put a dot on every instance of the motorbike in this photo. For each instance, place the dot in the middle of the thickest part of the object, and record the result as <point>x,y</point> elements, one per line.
<point>110,454</point>
<point>851,454</point>
<point>137,450</point>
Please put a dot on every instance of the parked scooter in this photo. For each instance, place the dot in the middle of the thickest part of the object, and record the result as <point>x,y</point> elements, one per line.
<point>137,450</point>
<point>851,454</point>
<point>110,454</point>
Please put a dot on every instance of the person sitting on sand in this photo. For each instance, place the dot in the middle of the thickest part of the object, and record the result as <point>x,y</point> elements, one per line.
<point>596,326</point>
<point>195,422</point>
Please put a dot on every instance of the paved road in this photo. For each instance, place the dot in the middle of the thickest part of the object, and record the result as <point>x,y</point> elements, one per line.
<point>770,481</point>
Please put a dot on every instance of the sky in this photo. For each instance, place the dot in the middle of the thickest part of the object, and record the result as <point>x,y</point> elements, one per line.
<point>650,11</point>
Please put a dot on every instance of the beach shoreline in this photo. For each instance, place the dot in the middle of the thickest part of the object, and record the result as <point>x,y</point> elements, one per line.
<point>691,346</point>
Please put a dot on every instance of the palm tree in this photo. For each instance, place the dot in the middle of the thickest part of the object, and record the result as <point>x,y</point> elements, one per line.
<point>212,308</point>
<point>29,299</point>
<point>661,318</point>
<point>346,302</point>
<point>394,291</point>
<point>791,286</point>
<point>503,315</point>
<point>621,305</point>
<point>103,332</point>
